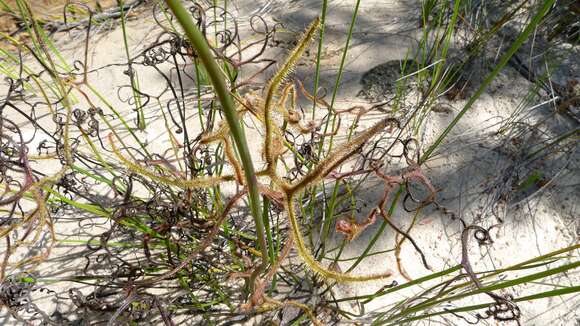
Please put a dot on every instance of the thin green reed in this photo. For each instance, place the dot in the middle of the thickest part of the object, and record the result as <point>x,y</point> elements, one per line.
<point>337,82</point>
<point>319,54</point>
<point>201,47</point>
<point>141,124</point>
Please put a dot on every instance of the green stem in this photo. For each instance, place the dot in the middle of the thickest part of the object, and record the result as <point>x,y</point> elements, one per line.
<point>141,125</point>
<point>202,49</point>
<point>318,55</point>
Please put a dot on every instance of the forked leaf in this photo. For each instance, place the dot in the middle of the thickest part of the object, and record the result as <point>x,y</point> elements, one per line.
<point>342,153</point>
<point>274,86</point>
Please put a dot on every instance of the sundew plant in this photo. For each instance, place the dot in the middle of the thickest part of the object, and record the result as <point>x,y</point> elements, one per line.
<point>228,191</point>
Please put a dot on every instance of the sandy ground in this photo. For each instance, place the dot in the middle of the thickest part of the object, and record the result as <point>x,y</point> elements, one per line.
<point>470,168</point>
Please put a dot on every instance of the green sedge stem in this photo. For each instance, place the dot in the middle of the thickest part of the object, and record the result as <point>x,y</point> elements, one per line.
<point>318,55</point>
<point>202,48</point>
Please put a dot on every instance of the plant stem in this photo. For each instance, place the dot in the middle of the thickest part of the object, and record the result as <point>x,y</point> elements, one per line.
<point>200,45</point>
<point>318,55</point>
